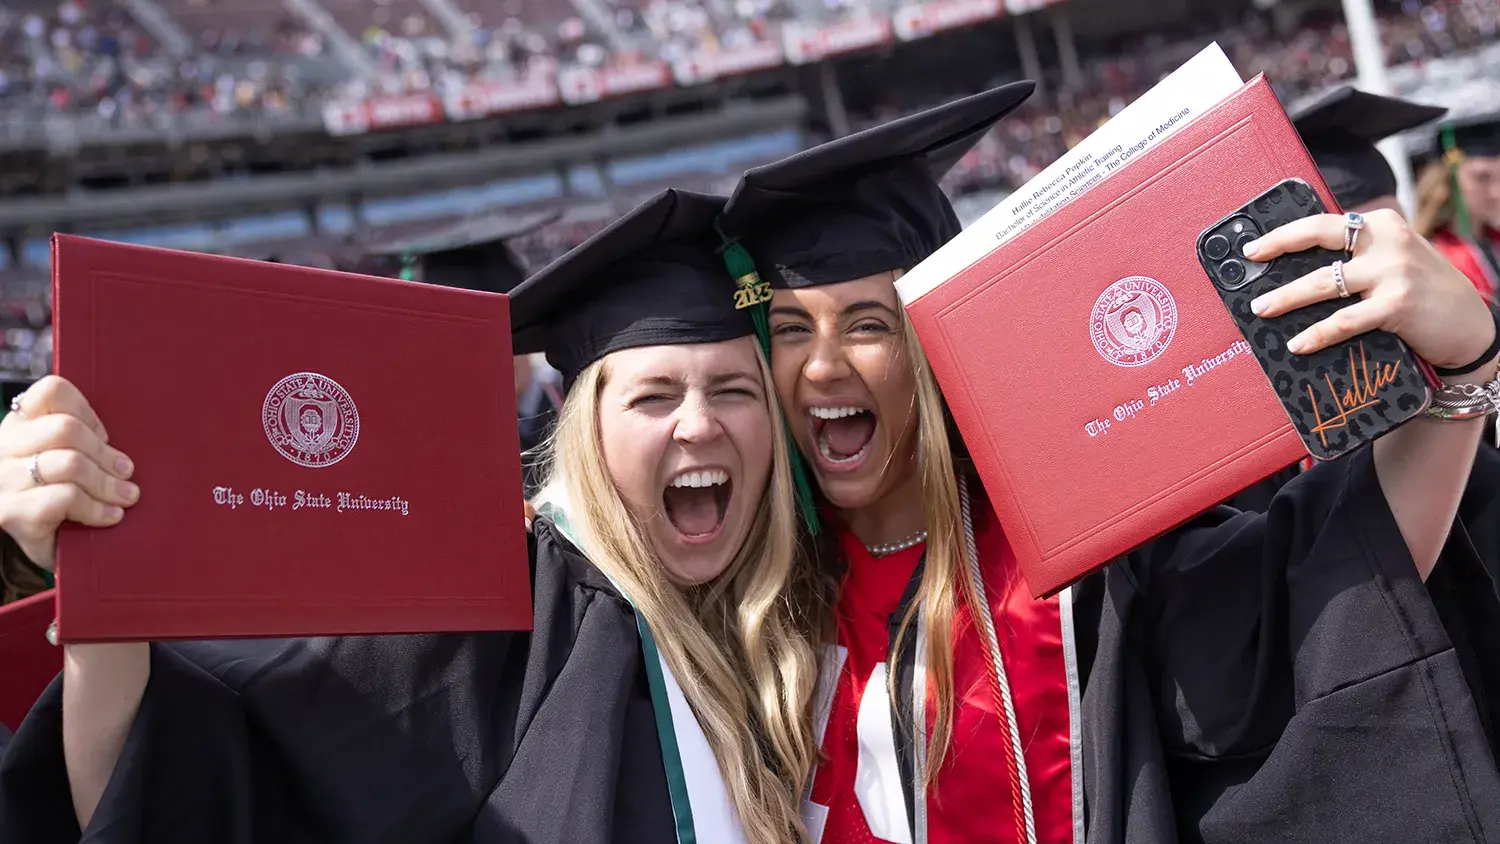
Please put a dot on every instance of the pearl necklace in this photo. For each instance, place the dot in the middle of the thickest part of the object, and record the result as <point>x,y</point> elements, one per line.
<point>896,547</point>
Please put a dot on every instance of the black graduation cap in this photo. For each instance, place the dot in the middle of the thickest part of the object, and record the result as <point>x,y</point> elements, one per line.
<point>1476,135</point>
<point>650,278</point>
<point>1340,130</point>
<point>471,253</point>
<point>865,203</point>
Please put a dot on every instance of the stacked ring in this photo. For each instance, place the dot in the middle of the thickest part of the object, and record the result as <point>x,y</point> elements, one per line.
<point>1338,279</point>
<point>1352,224</point>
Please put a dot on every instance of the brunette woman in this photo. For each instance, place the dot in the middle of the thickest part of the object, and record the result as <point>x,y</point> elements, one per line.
<point>1459,199</point>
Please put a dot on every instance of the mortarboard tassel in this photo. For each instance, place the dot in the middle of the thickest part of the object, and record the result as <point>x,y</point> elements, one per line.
<point>1453,156</point>
<point>750,292</point>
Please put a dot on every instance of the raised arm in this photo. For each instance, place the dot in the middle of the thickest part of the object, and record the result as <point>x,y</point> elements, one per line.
<point>1407,288</point>
<point>56,465</point>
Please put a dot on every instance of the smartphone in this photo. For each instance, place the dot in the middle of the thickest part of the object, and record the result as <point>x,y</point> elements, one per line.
<point>1338,398</point>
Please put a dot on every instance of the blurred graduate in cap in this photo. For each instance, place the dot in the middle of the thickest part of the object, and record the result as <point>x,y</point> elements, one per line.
<point>1340,130</point>
<point>475,254</point>
<point>471,253</point>
<point>1244,678</point>
<point>662,695</point>
<point>1459,198</point>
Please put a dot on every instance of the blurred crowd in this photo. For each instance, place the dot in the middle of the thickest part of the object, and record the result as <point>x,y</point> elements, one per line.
<point>90,55</point>
<point>25,329</point>
<point>675,30</point>
<point>1314,58</point>
<point>414,54</point>
<point>510,39</point>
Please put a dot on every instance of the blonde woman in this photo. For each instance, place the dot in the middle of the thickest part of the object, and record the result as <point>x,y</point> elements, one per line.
<point>663,694</point>
<point>1246,678</point>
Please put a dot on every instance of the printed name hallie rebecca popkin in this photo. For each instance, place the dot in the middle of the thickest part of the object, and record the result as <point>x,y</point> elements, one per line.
<point>270,499</point>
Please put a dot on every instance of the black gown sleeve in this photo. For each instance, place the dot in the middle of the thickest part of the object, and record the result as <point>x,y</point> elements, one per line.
<point>1258,497</point>
<point>1465,588</point>
<point>412,739</point>
<point>1285,675</point>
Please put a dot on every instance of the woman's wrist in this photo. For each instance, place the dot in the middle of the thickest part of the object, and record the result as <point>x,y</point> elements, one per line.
<point>1471,397</point>
<point>1480,359</point>
<point>1479,377</point>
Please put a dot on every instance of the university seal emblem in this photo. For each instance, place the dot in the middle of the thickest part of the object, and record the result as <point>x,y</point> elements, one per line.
<point>310,420</point>
<point>1133,321</point>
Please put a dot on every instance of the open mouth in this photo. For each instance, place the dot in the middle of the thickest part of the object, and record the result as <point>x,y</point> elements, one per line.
<point>696,503</point>
<point>842,436</point>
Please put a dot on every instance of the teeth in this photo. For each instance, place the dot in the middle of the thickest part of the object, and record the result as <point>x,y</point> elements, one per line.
<point>833,458</point>
<point>712,477</point>
<point>834,412</point>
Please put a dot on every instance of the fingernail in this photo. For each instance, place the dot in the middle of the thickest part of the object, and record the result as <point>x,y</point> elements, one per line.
<point>130,492</point>
<point>1296,344</point>
<point>123,465</point>
<point>1251,248</point>
<point>1258,305</point>
<point>114,514</point>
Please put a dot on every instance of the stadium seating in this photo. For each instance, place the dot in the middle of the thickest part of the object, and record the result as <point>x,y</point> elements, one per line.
<point>239,25</point>
<point>536,15</point>
<point>404,18</point>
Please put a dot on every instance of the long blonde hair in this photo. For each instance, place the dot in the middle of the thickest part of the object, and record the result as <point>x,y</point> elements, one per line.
<point>945,578</point>
<point>743,644</point>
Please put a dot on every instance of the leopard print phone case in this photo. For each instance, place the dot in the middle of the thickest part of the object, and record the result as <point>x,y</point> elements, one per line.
<point>1338,398</point>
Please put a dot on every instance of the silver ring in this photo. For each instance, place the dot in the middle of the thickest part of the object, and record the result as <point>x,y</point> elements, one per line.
<point>1353,222</point>
<point>36,470</point>
<point>15,406</point>
<point>1338,279</point>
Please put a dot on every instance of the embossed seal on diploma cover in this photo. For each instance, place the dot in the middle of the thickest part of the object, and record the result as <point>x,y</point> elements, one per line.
<point>310,420</point>
<point>1133,321</point>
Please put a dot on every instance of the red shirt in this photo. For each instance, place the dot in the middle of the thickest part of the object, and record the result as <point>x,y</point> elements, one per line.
<point>1461,254</point>
<point>857,796</point>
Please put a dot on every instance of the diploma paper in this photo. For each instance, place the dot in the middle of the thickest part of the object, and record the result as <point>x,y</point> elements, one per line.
<point>1199,85</point>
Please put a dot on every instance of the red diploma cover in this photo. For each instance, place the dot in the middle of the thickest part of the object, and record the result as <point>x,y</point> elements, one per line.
<point>1090,439</point>
<point>27,662</point>
<point>319,453</point>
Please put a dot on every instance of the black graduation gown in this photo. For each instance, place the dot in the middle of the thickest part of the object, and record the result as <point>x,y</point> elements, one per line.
<point>547,736</point>
<point>1258,497</point>
<point>1287,677</point>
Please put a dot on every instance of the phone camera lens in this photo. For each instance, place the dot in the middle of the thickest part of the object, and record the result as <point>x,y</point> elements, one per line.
<point>1216,247</point>
<point>1232,271</point>
<point>1239,242</point>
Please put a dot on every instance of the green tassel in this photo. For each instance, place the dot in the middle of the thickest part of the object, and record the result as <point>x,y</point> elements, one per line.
<point>1452,155</point>
<point>751,292</point>
<point>408,266</point>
